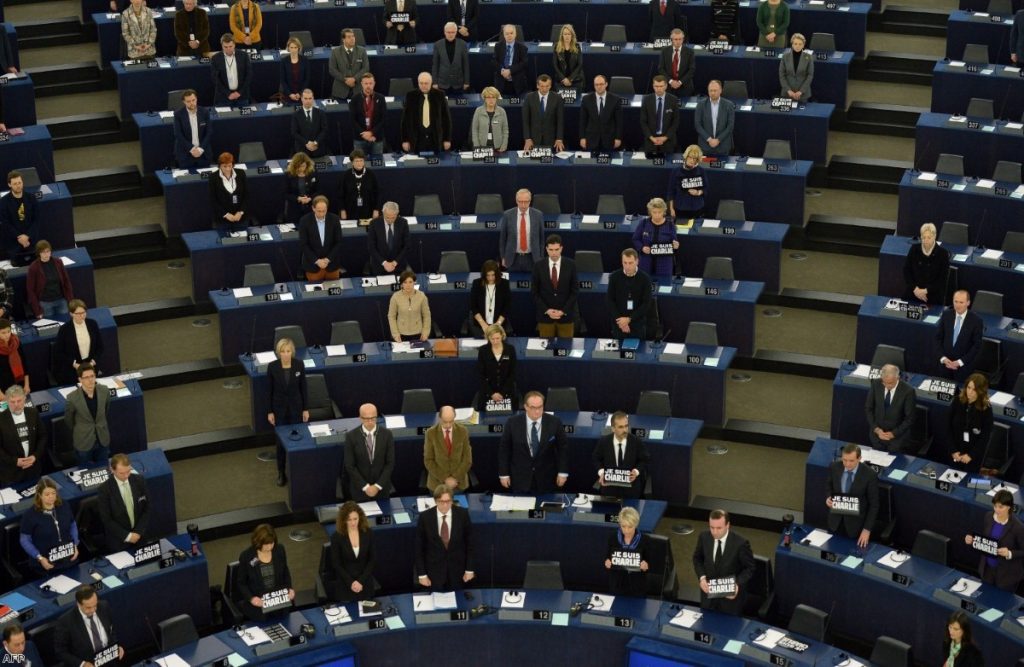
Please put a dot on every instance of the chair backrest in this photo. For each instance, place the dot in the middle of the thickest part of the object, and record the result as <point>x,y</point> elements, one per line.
<point>976,53</point>
<point>662,581</point>
<point>809,622</point>
<point>654,403</point>
<point>360,37</point>
<point>761,585</point>
<point>318,399</point>
<point>888,354</point>
<point>176,631</point>
<point>885,509</point>
<point>398,88</point>
<point>293,331</point>
<point>955,233</point>
<point>1007,171</point>
<point>950,163</point>
<point>305,38</point>
<point>418,401</point>
<point>611,205</point>
<point>63,451</point>
<point>1018,386</point>
<point>997,452</point>
<point>931,546</point>
<point>622,85</point>
<point>822,41</point>
<point>257,274</point>
<point>980,108</point>
<point>735,90</point>
<point>985,301</point>
<point>90,525</point>
<point>988,362</point>
<point>562,399</point>
<point>702,333</point>
<point>547,204</point>
<point>543,575</point>
<point>488,204</point>
<point>1000,7</point>
<point>556,32</point>
<point>889,652</point>
<point>588,261</point>
<point>718,268</point>
<point>778,149</point>
<point>920,431</point>
<point>346,332</point>
<point>29,177</point>
<point>731,209</point>
<point>453,261</point>
<point>614,33</point>
<point>427,205</point>
<point>174,101</point>
<point>251,151</point>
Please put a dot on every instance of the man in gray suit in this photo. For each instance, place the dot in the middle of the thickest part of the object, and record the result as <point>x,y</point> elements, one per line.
<point>369,457</point>
<point>520,242</point>
<point>451,62</point>
<point>714,121</point>
<point>890,411</point>
<point>85,415</point>
<point>543,118</point>
<point>348,64</point>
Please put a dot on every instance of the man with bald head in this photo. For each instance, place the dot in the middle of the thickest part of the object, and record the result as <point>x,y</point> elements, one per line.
<point>447,454</point>
<point>369,458</point>
<point>890,411</point>
<point>426,123</point>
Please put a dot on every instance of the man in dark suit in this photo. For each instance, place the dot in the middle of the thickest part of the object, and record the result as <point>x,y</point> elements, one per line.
<point>959,337</point>
<point>368,110</point>
<point>659,118</point>
<point>601,118</point>
<point>450,65</point>
<point>427,129</point>
<point>621,450</point>
<point>123,505</point>
<point>17,649</point>
<point>309,128</point>
<point>369,457</point>
<point>464,14</point>
<point>22,440</point>
<point>1017,38</point>
<point>521,237</point>
<point>723,554</point>
<point>320,241</point>
<point>232,74</point>
<point>543,117</point>
<point>848,479</point>
<point>510,63</point>
<point>890,410</point>
<point>86,630</point>
<point>533,456</point>
<point>665,16</point>
<point>192,133</point>
<point>388,241</point>
<point>678,65</point>
<point>714,121</point>
<point>444,544</point>
<point>554,289</point>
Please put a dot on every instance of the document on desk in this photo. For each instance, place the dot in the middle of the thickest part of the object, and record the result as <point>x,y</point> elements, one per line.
<point>423,503</point>
<point>173,660</point>
<point>692,282</point>
<point>1000,398</point>
<point>601,603</point>
<point>686,618</point>
<point>253,636</point>
<point>121,560</point>
<point>264,358</point>
<point>423,602</point>
<point>9,496</point>
<point>437,278</point>
<point>894,559</point>
<point>467,416</point>
<point>1012,488</point>
<point>953,476</point>
<point>319,430</point>
<point>513,599</point>
<point>371,508</point>
<point>769,638</point>
<point>369,613</point>
<point>394,421</point>
<point>591,219</point>
<point>336,351</point>
<point>674,348</point>
<point>403,347</point>
<point>444,600</point>
<point>337,615</point>
<point>504,503</point>
<point>817,538</point>
<point>927,176</point>
<point>877,457</point>
<point>61,584</point>
<point>388,279</point>
<point>537,344</point>
<point>964,586</point>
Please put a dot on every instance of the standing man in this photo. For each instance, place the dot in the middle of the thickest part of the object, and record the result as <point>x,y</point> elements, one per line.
<point>192,30</point>
<point>347,65</point>
<point>450,67</point>
<point>444,544</point>
<point>510,63</point>
<point>85,414</point>
<point>621,450</point>
<point>601,118</point>
<point>890,410</point>
<point>22,440</point>
<point>554,288</point>
<point>1017,38</point>
<point>533,456</point>
<point>543,117</point>
<point>17,649</point>
<point>123,504</point>
<point>714,121</point>
<point>426,122</point>
<point>447,454</point>
<point>659,118</point>
<point>320,241</point>
<point>464,13</point>
<point>20,228</point>
<point>368,110</point>
<point>521,237</point>
<point>678,65</point>
<point>723,557</point>
<point>369,457</point>
<point>86,630</point>
<point>309,128</point>
<point>665,16</point>
<point>959,337</point>
<point>629,298</point>
<point>232,75</point>
<point>851,485</point>
<point>193,132</point>
<point>388,241</point>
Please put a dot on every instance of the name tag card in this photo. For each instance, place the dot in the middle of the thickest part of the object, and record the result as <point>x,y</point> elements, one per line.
<point>662,249</point>
<point>845,505</point>
<point>106,656</point>
<point>61,551</point>
<point>275,600</point>
<point>985,545</point>
<point>721,588</point>
<point>91,478</point>
<point>617,477</point>
<point>626,560</point>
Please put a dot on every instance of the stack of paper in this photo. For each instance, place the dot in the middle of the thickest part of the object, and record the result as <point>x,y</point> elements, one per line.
<point>337,615</point>
<point>319,430</point>
<point>336,351</point>
<point>503,503</point>
<point>121,560</point>
<point>61,584</point>
<point>253,636</point>
<point>894,559</point>
<point>686,618</point>
<point>817,537</point>
<point>394,421</point>
<point>769,638</point>
<point>371,508</point>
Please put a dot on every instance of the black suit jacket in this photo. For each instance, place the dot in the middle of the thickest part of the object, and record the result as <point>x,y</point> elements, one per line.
<point>72,642</point>
<point>502,299</point>
<point>66,352</point>
<point>287,399</point>
<point>346,567</point>
<point>662,26</point>
<point>649,121</point>
<point>601,130</point>
<point>357,109</point>
<point>687,67</point>
<point>1008,573</point>
<point>968,343</point>
<point>313,249</point>
<point>445,567</point>
<point>530,474</point>
<point>114,515</point>
<point>547,127</point>
<point>394,35</point>
<point>625,582</point>
<point>497,375</point>
<point>363,472</point>
<point>11,451</point>
<point>222,201</point>
<point>864,487</point>
<point>304,130</point>
<point>440,118</point>
<point>249,583</point>
<point>635,457</point>
<point>737,561</point>
<point>220,77</point>
<point>899,418</point>
<point>376,238</point>
<point>472,12</point>
<point>518,68</point>
<point>183,135</point>
<point>545,295</point>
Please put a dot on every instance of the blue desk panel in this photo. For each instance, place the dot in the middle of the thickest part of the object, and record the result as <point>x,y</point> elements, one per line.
<point>982,5</point>
<point>55,219</point>
<point>965,28</point>
<point>126,416</point>
<point>32,149</point>
<point>19,102</point>
<point>35,349</point>
<point>981,147</point>
<point>953,88</point>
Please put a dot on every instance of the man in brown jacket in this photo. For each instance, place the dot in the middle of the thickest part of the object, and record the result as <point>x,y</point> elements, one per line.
<point>447,454</point>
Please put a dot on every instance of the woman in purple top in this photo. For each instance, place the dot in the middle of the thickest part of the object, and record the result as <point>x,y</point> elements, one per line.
<point>1004,568</point>
<point>655,239</point>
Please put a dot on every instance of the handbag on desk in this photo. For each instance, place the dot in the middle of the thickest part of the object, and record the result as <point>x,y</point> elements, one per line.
<point>446,347</point>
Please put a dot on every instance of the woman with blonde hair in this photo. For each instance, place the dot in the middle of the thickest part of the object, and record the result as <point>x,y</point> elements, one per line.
<point>568,60</point>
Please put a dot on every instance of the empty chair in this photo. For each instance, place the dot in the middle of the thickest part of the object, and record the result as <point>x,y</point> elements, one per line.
<point>588,261</point>
<point>976,53</point>
<point>543,575</point>
<point>760,589</point>
<point>30,177</point>
<point>888,354</point>
<point>62,452</point>
<point>418,400</point>
<point>778,149</point>
<point>1007,171</point>
<point>176,631</point>
<point>988,362</point>
<point>654,403</point>
<point>318,399</point>
<point>622,85</point>
<point>305,38</point>
<point>453,261</point>
<point>920,432</point>
<point>702,333</point>
<point>731,209</point>
<point>488,204</point>
<point>931,546</point>
<point>985,301</point>
<point>562,399</point>
<point>346,333</point>
<point>718,268</point>
<point>91,533</point>
<point>292,331</point>
<point>547,204</point>
<point>735,90</point>
<point>611,205</point>
<point>954,233</point>
<point>257,274</point>
<point>889,652</point>
<point>950,163</point>
<point>1000,7</point>
<point>251,151</point>
<point>1018,386</point>
<point>809,622</point>
<point>174,101</point>
<point>427,205</point>
<point>556,32</point>
<point>614,33</point>
<point>997,453</point>
<point>822,41</point>
<point>980,108</point>
<point>397,88</point>
<point>1013,242</point>
<point>360,37</point>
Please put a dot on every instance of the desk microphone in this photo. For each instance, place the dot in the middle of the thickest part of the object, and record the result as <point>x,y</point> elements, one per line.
<point>660,343</point>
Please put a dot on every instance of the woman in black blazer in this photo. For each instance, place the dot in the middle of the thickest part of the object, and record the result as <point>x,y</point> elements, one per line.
<point>970,424</point>
<point>294,72</point>
<point>352,559</point>
<point>490,299</point>
<point>958,647</point>
<point>567,59</point>
<point>288,397</point>
<point>496,363</point>
<point>1005,569</point>
<point>229,194</point>
<point>358,192</point>
<point>300,188</point>
<point>262,568</point>
<point>67,350</point>
<point>46,526</point>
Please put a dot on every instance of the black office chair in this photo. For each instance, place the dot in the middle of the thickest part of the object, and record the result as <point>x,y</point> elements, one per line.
<point>885,523</point>
<point>809,622</point>
<point>718,268</point>
<point>888,354</point>
<point>954,233</point>
<point>614,34</point>
<point>662,581</point>
<point>232,615</point>
<point>654,403</point>
<point>347,332</point>
<point>322,582</point>
<point>318,399</point>
<point>176,631</point>
<point>989,361</point>
<point>985,301</point>
<point>399,88</point>
<point>174,101</point>
<point>731,209</point>
<point>1007,171</point>
<point>822,41</point>
<point>1018,386</point>
<point>292,331</point>
<point>427,205</point>
<point>556,32</point>
<point>305,38</point>
<point>1013,242</point>
<point>760,589</point>
<point>562,399</point>
<point>488,204</point>
<point>520,33</point>
<point>976,53</point>
<point>702,333</point>
<point>611,205</point>
<point>418,401</point>
<point>1000,7</point>
<point>258,274</point>
<point>980,108</point>
<point>545,575</point>
<point>251,152</point>
<point>547,204</point>
<point>889,652</point>
<point>588,261</point>
<point>622,86</point>
<point>920,432</point>
<point>654,328</point>
<point>62,454</point>
<point>92,538</point>
<point>30,176</point>
<point>778,149</point>
<point>735,90</point>
<point>453,261</point>
<point>931,546</point>
<point>997,456</point>
<point>950,163</point>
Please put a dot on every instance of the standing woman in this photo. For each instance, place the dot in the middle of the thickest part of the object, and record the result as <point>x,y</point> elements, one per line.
<point>78,342</point>
<point>958,646</point>
<point>489,128</point>
<point>1005,569</point>
<point>294,72</point>
<point>796,71</point>
<point>288,398</point>
<point>686,186</point>
<point>970,424</point>
<point>568,61</point>
<point>246,20</point>
<point>409,312</point>
<point>626,560</point>
<point>262,569</point>
<point>300,188</point>
<point>926,269</point>
<point>359,191</point>
<point>47,526</point>
<point>12,369</point>
<point>655,239</point>
<point>229,193</point>
<point>138,28</point>
<point>490,298</point>
<point>47,284</point>
<point>772,24</point>
<point>496,363</point>
<point>351,556</point>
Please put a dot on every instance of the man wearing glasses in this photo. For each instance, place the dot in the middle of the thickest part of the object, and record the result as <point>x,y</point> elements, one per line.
<point>369,457</point>
<point>533,456</point>
<point>444,545</point>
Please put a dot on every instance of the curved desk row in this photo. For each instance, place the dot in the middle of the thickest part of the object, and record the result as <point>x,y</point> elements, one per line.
<point>36,347</point>
<point>982,27</point>
<point>19,101</point>
<point>34,148</point>
<point>981,147</point>
<point>953,87</point>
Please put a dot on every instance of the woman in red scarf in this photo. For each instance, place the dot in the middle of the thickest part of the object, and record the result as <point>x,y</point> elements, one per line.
<point>11,369</point>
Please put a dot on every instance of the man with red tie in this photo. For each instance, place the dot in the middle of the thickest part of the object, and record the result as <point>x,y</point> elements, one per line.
<point>677,64</point>
<point>664,16</point>
<point>447,454</point>
<point>554,289</point>
<point>520,242</point>
<point>444,544</point>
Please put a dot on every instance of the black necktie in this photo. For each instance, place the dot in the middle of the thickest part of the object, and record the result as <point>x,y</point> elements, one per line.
<point>718,550</point>
<point>534,440</point>
<point>97,643</point>
<point>309,115</point>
